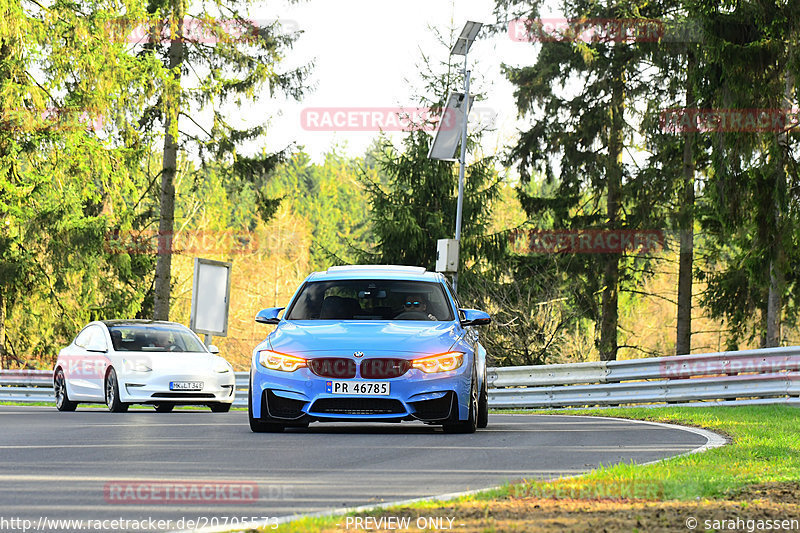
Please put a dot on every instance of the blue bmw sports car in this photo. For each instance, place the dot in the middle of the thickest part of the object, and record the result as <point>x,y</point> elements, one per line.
<point>370,343</point>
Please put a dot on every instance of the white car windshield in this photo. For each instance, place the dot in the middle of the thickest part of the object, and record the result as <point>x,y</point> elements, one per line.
<point>153,338</point>
<point>371,299</point>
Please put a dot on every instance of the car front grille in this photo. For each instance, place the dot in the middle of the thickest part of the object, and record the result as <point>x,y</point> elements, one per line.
<point>384,368</point>
<point>358,406</point>
<point>333,367</point>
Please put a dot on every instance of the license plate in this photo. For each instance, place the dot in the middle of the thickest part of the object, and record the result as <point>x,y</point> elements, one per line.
<point>186,385</point>
<point>358,388</point>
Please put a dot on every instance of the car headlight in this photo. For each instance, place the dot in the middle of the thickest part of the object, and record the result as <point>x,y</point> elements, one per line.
<point>443,362</point>
<point>222,367</point>
<point>136,365</point>
<point>280,361</point>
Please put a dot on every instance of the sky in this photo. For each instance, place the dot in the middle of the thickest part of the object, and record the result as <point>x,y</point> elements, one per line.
<point>366,54</point>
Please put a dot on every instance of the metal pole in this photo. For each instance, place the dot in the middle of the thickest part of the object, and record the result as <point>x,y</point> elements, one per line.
<point>207,340</point>
<point>461,164</point>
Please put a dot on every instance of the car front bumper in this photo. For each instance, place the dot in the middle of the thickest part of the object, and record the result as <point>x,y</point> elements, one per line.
<point>301,396</point>
<point>138,387</point>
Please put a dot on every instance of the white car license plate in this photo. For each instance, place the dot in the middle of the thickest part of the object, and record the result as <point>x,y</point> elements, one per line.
<point>358,388</point>
<point>186,385</point>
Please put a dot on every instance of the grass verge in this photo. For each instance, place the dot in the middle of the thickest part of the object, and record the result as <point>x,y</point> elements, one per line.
<point>755,477</point>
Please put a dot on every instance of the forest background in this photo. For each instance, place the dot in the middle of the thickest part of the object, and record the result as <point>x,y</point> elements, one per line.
<point>119,164</point>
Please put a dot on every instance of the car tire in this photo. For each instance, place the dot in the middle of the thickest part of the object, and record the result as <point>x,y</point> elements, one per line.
<point>257,425</point>
<point>63,403</point>
<point>113,401</point>
<point>219,407</point>
<point>483,406</point>
<point>471,423</point>
<point>164,407</point>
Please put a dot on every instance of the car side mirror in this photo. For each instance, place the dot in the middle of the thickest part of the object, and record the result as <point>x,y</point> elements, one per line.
<point>213,349</point>
<point>269,316</point>
<point>473,317</point>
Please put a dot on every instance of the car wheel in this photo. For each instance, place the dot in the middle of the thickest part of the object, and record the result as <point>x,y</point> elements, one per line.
<point>63,403</point>
<point>164,407</point>
<point>483,406</point>
<point>471,423</point>
<point>113,401</point>
<point>219,407</point>
<point>257,425</point>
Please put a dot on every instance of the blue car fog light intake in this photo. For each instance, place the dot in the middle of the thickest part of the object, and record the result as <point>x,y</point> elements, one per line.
<point>439,407</point>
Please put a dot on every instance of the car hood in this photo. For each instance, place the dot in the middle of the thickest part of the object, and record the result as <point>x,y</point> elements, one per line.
<point>171,361</point>
<point>307,336</point>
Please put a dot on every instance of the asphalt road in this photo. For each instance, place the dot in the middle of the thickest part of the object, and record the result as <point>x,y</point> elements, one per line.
<point>92,464</point>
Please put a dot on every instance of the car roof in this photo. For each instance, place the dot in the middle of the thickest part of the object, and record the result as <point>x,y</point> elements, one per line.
<point>398,272</point>
<point>137,322</point>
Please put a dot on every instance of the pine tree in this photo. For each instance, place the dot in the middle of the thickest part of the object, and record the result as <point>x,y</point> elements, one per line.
<point>230,60</point>
<point>751,209</point>
<point>66,160</point>
<point>417,206</point>
<point>578,142</point>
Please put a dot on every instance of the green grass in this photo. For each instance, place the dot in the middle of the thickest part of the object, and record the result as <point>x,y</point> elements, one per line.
<point>764,448</point>
<point>39,404</point>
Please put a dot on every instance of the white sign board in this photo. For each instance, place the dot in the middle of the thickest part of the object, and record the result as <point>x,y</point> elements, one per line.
<point>448,134</point>
<point>447,255</point>
<point>210,297</point>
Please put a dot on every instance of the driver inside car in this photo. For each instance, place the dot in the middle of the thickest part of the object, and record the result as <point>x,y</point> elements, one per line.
<point>163,340</point>
<point>419,304</point>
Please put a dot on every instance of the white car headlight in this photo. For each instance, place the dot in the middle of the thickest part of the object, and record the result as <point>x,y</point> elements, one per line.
<point>137,365</point>
<point>222,366</point>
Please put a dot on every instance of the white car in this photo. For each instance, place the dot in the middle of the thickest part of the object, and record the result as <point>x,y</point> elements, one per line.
<point>122,362</point>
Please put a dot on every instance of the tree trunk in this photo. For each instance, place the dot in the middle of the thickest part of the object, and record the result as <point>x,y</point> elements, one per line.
<point>610,317</point>
<point>777,266</point>
<point>166,223</point>
<point>777,283</point>
<point>3,356</point>
<point>683,341</point>
<point>6,51</point>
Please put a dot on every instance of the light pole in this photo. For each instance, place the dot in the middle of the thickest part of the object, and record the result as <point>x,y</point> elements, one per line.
<point>461,48</point>
<point>452,130</point>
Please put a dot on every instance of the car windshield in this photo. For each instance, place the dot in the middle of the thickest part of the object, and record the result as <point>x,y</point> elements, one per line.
<point>153,338</point>
<point>371,300</point>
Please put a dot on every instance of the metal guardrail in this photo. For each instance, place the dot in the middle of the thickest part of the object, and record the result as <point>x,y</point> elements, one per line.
<point>770,375</point>
<point>34,386</point>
